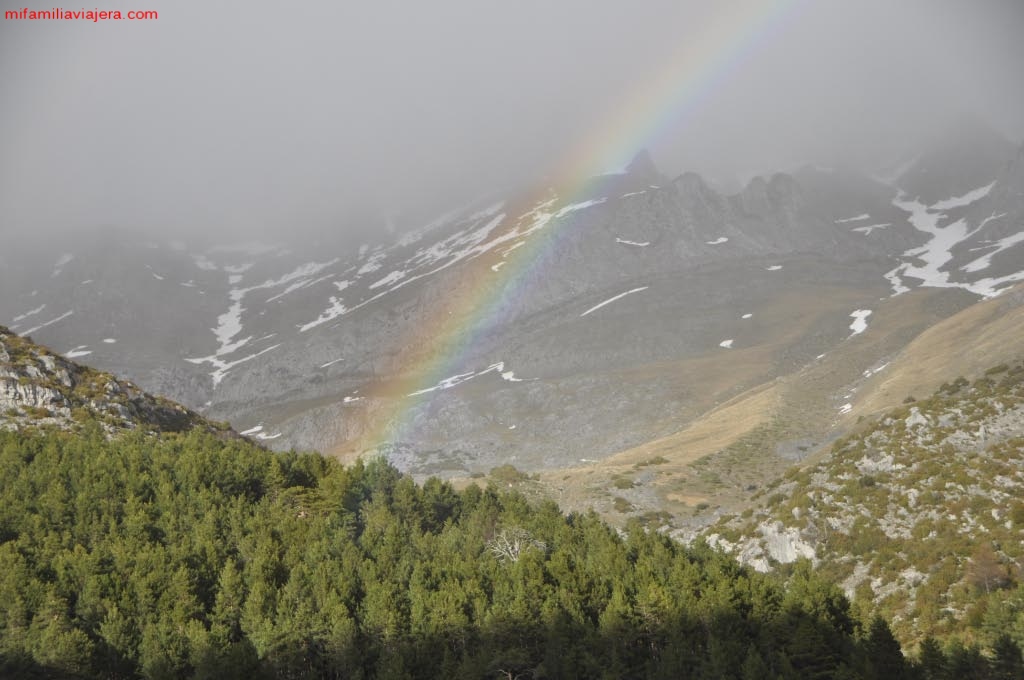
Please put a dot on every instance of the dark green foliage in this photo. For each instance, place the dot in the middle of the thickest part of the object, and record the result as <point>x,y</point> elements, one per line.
<point>183,555</point>
<point>884,655</point>
<point>1007,662</point>
<point>931,660</point>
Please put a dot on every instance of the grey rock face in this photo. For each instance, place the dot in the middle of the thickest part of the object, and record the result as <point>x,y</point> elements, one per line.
<point>14,395</point>
<point>38,388</point>
<point>578,297</point>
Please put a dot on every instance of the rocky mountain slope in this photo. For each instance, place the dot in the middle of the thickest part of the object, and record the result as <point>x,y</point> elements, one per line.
<point>538,329</point>
<point>917,512</point>
<point>39,388</point>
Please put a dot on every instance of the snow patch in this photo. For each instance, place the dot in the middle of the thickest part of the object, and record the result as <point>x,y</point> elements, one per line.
<point>460,378</point>
<point>229,324</point>
<point>613,299</point>
<point>264,436</point>
<point>372,265</point>
<point>747,315</point>
<point>222,367</point>
<point>258,432</point>
<point>331,363</point>
<point>301,283</point>
<point>893,276</point>
<point>31,312</point>
<point>872,227</point>
<point>583,205</point>
<point>450,217</point>
<point>337,308</point>
<point>773,268</point>
<point>642,244</point>
<point>727,344</point>
<point>473,243</point>
<point>63,316</point>
<point>965,200</point>
<point>718,241</point>
<point>59,266</point>
<point>871,372</point>
<point>79,351</point>
<point>858,218</point>
<point>860,321</point>
<point>393,277</point>
<point>937,252</point>
<point>999,246</point>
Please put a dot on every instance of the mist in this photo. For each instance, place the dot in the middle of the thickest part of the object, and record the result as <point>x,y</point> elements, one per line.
<point>258,118</point>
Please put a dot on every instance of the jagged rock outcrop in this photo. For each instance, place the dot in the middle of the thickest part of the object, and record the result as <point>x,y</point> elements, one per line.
<point>40,388</point>
<point>642,167</point>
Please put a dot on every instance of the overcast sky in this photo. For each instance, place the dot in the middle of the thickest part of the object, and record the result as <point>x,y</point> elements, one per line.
<point>241,116</point>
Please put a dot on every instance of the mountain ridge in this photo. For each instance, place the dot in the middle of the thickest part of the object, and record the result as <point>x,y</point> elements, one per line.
<point>39,388</point>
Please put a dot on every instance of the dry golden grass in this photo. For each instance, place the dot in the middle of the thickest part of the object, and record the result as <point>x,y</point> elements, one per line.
<point>965,344</point>
<point>579,487</point>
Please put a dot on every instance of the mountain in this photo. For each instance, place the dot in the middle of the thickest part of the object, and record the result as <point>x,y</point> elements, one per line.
<point>548,327</point>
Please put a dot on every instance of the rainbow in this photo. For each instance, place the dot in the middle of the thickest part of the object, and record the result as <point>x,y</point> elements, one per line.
<point>477,305</point>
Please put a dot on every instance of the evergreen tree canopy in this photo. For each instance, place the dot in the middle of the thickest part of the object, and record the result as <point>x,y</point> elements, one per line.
<point>185,555</point>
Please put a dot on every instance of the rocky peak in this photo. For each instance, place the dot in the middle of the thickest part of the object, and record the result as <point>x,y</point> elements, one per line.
<point>638,175</point>
<point>785,191</point>
<point>754,197</point>
<point>692,183</point>
<point>642,167</point>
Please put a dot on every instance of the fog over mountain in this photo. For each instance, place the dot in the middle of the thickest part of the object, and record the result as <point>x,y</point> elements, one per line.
<point>257,117</point>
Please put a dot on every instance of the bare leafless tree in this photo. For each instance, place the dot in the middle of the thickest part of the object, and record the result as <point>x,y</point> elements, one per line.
<point>509,544</point>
